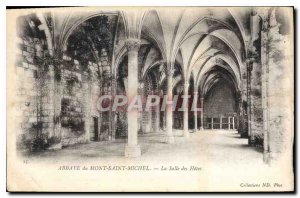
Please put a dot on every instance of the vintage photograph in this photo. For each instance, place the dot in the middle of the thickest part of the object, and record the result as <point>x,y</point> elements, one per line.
<point>150,99</point>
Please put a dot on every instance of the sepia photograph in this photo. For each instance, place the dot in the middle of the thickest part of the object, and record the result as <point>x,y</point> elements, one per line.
<point>150,99</point>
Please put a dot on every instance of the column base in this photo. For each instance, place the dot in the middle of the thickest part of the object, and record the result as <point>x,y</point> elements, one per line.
<point>201,128</point>
<point>170,140</point>
<point>186,134</point>
<point>266,157</point>
<point>112,138</point>
<point>55,147</point>
<point>132,151</point>
<point>250,141</point>
<point>157,130</point>
<point>244,135</point>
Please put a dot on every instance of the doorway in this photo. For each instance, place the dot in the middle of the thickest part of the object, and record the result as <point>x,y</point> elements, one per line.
<point>94,135</point>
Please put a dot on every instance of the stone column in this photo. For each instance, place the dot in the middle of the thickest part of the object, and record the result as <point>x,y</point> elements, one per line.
<point>157,118</point>
<point>249,106</point>
<point>212,122</point>
<point>202,113</point>
<point>221,122</point>
<point>59,95</point>
<point>169,111</point>
<point>186,113</point>
<point>229,123</point>
<point>51,99</point>
<point>55,94</point>
<point>132,149</point>
<point>149,122</point>
<point>149,117</point>
<point>233,127</point>
<point>162,115</point>
<point>265,91</point>
<point>195,111</point>
<point>113,113</point>
<point>164,121</point>
<point>87,105</point>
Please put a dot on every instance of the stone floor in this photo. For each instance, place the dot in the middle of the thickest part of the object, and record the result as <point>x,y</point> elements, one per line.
<point>208,146</point>
<point>209,160</point>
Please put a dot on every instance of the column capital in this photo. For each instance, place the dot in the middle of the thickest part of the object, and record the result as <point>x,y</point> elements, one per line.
<point>161,62</point>
<point>132,44</point>
<point>169,71</point>
<point>113,81</point>
<point>51,69</point>
<point>186,88</point>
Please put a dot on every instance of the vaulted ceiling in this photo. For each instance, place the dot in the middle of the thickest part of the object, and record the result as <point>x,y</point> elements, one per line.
<point>196,38</point>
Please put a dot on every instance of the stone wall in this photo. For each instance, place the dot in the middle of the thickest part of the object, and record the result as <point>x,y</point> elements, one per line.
<point>58,110</point>
<point>72,108</point>
<point>220,105</point>
<point>220,101</point>
<point>279,76</point>
<point>35,88</point>
<point>256,106</point>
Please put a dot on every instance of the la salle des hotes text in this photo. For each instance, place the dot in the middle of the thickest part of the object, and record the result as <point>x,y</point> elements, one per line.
<point>129,168</point>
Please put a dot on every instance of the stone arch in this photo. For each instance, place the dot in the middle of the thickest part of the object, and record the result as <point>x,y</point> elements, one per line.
<point>67,31</point>
<point>45,27</point>
<point>239,61</point>
<point>211,75</point>
<point>189,32</point>
<point>230,66</point>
